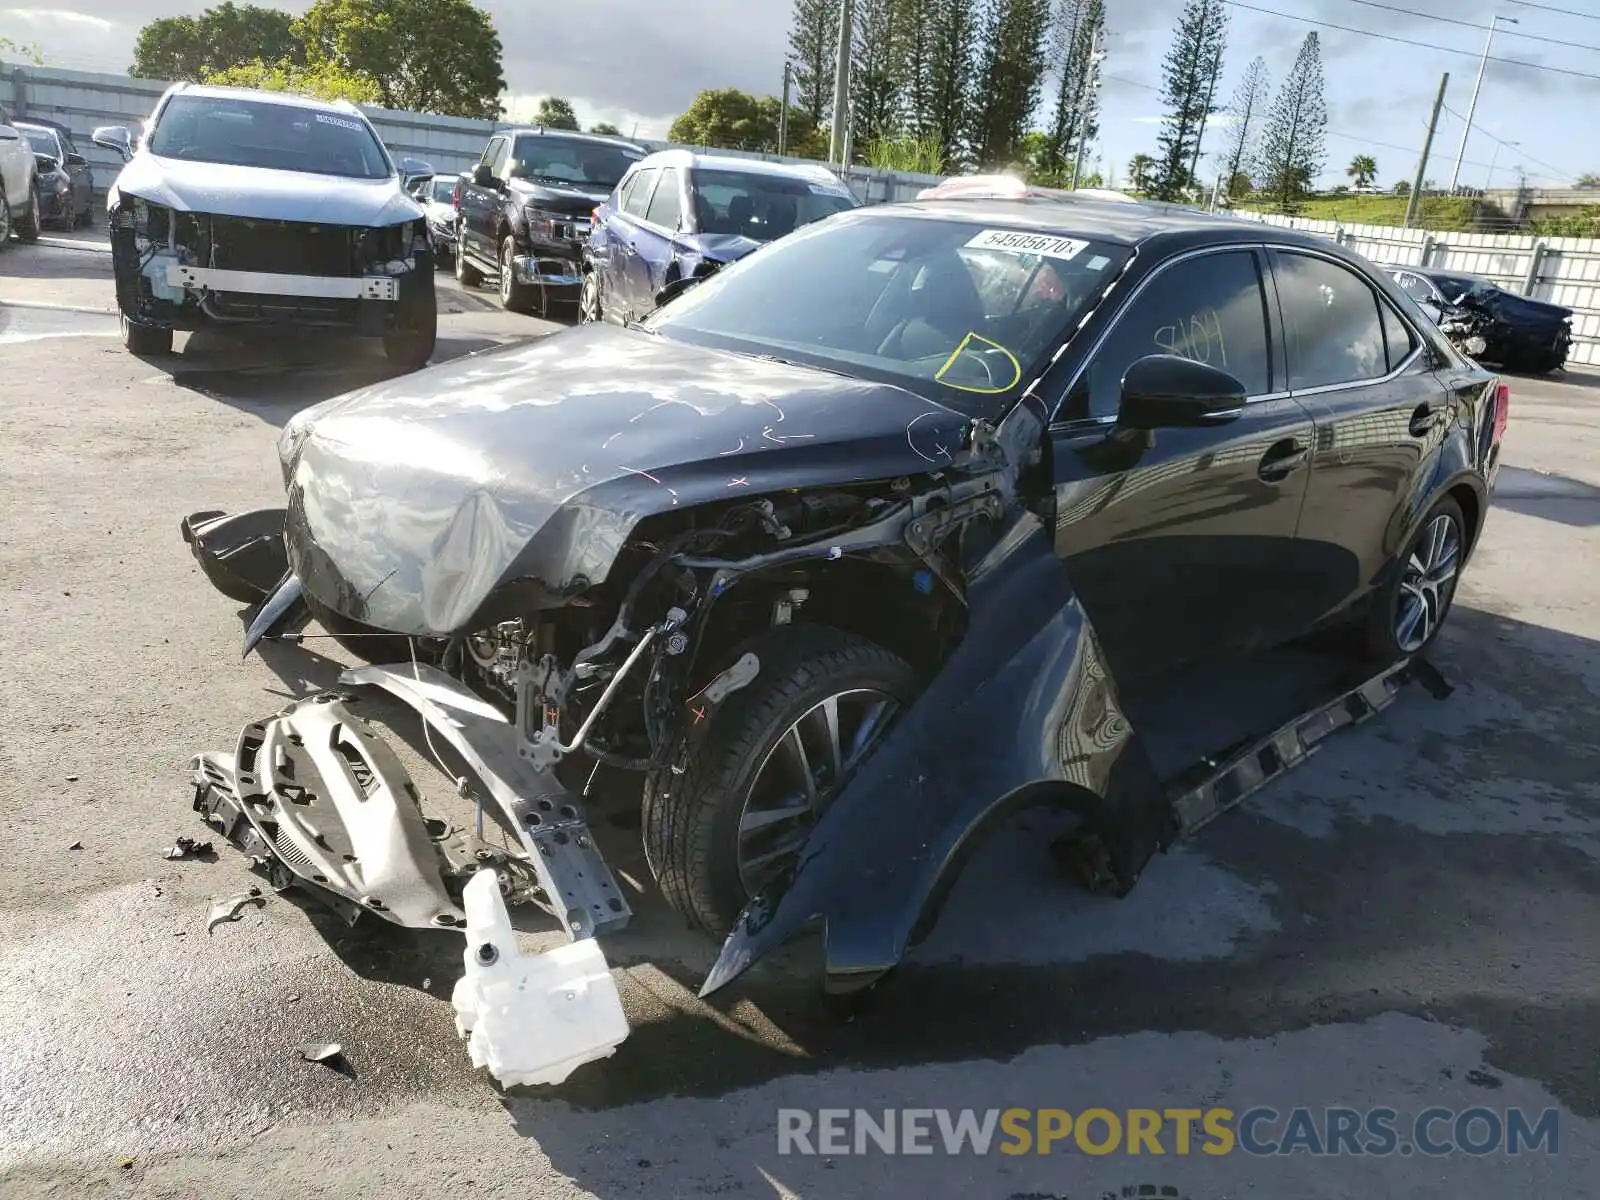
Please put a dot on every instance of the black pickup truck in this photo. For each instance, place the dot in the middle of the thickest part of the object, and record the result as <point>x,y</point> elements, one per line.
<point>526,210</point>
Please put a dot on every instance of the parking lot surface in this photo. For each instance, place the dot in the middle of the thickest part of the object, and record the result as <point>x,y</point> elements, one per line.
<point>1407,921</point>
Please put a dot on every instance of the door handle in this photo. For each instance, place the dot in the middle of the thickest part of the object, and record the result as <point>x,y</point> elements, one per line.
<point>1280,461</point>
<point>1423,420</point>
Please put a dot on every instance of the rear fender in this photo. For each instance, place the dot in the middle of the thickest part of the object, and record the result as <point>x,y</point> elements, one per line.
<point>1024,710</point>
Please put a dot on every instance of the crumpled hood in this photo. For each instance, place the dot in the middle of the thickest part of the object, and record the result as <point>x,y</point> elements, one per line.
<point>410,502</point>
<point>261,194</point>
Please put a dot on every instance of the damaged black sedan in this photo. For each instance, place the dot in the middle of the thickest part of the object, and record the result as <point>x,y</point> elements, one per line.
<point>246,208</point>
<point>854,549</point>
<point>1488,322</point>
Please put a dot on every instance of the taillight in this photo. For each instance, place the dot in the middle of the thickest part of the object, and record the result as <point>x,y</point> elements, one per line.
<point>1502,409</point>
<point>595,216</point>
<point>455,196</point>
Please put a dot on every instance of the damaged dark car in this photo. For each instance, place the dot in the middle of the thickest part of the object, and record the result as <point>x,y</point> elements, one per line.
<point>244,208</point>
<point>856,548</point>
<point>1488,322</point>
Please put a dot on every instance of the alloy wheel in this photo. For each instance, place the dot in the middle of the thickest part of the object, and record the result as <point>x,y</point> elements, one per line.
<point>1427,584</point>
<point>800,776</point>
<point>505,272</point>
<point>5,220</point>
<point>589,301</point>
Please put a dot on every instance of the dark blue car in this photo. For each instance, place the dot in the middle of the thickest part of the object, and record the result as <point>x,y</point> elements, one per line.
<point>682,216</point>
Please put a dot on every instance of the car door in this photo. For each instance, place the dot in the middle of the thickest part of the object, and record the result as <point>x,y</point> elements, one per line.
<point>480,204</point>
<point>16,156</point>
<point>1367,378</point>
<point>1181,542</point>
<point>655,242</point>
<point>629,221</point>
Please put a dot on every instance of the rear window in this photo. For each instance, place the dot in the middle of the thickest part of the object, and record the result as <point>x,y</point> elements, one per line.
<point>760,206</point>
<point>42,141</point>
<point>258,133</point>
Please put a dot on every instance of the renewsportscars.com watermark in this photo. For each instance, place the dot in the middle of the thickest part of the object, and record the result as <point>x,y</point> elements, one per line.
<point>1319,1132</point>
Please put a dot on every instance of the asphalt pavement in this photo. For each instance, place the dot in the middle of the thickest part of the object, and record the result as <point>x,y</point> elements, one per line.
<point>1406,922</point>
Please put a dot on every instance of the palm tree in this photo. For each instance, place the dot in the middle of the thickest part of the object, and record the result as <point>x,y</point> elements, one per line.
<point>1139,168</point>
<point>1363,169</point>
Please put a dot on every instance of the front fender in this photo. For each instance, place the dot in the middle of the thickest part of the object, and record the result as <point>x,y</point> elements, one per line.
<point>1024,710</point>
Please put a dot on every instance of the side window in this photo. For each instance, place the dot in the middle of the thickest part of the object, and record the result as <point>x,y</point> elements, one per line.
<point>495,156</point>
<point>1397,335</point>
<point>637,201</point>
<point>1210,308</point>
<point>1331,323</point>
<point>625,189</point>
<point>666,206</point>
<point>1415,286</point>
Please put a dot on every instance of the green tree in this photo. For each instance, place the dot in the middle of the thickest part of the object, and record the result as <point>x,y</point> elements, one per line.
<point>907,153</point>
<point>1010,74</point>
<point>1141,168</point>
<point>917,68</point>
<point>1248,110</point>
<point>1363,168</point>
<point>556,113</point>
<point>1292,148</point>
<point>1075,121</point>
<point>813,49</point>
<point>728,119</point>
<point>952,27</point>
<point>876,69</point>
<point>325,82</point>
<point>605,129</point>
<point>1588,180</point>
<point>1189,79</point>
<point>28,51</point>
<point>439,56</point>
<point>227,35</point>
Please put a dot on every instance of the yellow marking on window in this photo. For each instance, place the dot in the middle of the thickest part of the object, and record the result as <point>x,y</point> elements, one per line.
<point>961,348</point>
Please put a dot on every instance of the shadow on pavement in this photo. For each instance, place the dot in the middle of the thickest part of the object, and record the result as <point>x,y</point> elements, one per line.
<point>1552,497</point>
<point>24,261</point>
<point>1357,885</point>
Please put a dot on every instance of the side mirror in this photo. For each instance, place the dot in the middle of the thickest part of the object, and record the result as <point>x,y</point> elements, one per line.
<point>676,288</point>
<point>1163,391</point>
<point>115,137</point>
<point>482,176</point>
<point>77,160</point>
<point>415,166</point>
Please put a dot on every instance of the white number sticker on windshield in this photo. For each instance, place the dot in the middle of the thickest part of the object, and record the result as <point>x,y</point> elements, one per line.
<point>325,119</point>
<point>1016,242</point>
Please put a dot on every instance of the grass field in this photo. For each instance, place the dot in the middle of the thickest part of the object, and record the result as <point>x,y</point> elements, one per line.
<point>1435,212</point>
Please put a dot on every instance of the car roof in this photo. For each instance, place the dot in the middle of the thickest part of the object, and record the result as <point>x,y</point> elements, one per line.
<point>287,99</point>
<point>1103,219</point>
<point>598,139</point>
<point>813,172</point>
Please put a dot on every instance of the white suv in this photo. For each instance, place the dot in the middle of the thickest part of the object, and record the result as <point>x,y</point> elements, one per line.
<point>19,184</point>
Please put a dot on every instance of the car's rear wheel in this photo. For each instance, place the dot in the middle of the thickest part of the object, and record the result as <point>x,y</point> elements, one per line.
<point>5,218</point>
<point>734,804</point>
<point>1411,608</point>
<point>589,302</point>
<point>145,340</point>
<point>467,275</point>
<point>514,296</point>
<point>30,222</point>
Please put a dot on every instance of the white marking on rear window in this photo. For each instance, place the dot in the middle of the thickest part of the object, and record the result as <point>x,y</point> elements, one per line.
<point>325,119</point>
<point>1014,241</point>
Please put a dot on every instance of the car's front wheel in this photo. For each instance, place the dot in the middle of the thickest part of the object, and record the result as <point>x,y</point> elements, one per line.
<point>1412,607</point>
<point>514,296</point>
<point>145,340</point>
<point>733,805</point>
<point>410,346</point>
<point>30,222</point>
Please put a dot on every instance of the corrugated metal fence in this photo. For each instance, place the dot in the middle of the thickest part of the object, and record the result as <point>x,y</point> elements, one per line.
<point>82,100</point>
<point>1562,270</point>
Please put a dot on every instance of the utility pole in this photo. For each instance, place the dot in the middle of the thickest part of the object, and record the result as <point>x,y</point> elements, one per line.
<point>1415,198</point>
<point>1472,105</point>
<point>783,114</point>
<point>1091,84</point>
<point>837,148</point>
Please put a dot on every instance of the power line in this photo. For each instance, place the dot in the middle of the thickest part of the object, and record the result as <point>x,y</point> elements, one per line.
<point>1529,37</point>
<point>1565,12</point>
<point>1493,138</point>
<point>1389,37</point>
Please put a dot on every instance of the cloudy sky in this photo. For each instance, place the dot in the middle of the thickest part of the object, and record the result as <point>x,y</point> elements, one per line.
<point>638,63</point>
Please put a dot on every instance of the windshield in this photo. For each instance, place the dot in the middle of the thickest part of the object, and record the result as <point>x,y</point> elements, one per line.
<point>761,206</point>
<point>1455,288</point>
<point>259,133</point>
<point>43,142</point>
<point>442,191</point>
<point>593,166</point>
<point>961,313</point>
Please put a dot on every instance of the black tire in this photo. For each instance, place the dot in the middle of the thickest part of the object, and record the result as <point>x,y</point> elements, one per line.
<point>591,302</point>
<point>693,805</point>
<point>514,297</point>
<point>145,340</point>
<point>410,348</point>
<point>467,275</point>
<point>5,218</point>
<point>30,222</point>
<point>1384,621</point>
